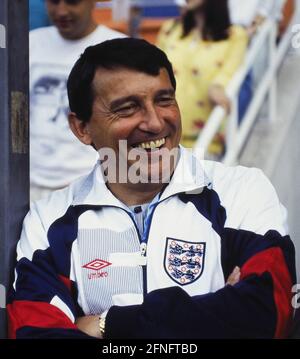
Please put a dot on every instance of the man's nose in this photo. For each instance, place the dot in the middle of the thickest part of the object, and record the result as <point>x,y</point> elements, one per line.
<point>152,121</point>
<point>62,8</point>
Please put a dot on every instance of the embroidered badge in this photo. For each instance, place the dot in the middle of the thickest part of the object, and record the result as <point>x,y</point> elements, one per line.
<point>184,261</point>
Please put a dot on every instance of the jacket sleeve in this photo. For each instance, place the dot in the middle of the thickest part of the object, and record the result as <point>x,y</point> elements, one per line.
<point>41,303</point>
<point>258,306</point>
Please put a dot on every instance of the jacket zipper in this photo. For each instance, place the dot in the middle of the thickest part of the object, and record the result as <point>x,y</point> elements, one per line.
<point>143,241</point>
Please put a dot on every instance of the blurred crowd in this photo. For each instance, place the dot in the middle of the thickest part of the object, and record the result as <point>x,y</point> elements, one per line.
<point>206,44</point>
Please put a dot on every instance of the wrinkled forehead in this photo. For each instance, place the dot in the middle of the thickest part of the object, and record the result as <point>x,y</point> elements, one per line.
<point>120,82</point>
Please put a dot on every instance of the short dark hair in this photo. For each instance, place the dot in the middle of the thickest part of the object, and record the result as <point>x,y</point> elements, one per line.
<point>135,54</point>
<point>216,20</point>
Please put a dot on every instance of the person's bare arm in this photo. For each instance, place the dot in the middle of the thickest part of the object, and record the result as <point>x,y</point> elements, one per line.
<point>217,96</point>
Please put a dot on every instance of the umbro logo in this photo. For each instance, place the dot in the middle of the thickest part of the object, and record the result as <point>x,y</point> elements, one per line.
<point>97,264</point>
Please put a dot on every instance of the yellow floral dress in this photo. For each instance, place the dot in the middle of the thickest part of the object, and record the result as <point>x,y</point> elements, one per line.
<point>198,64</point>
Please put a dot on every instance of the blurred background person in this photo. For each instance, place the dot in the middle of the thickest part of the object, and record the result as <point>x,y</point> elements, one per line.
<point>135,18</point>
<point>172,28</point>
<point>287,13</point>
<point>252,13</point>
<point>56,157</point>
<point>38,16</point>
<point>205,51</point>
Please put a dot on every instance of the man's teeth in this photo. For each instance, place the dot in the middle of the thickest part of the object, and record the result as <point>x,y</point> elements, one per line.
<point>152,144</point>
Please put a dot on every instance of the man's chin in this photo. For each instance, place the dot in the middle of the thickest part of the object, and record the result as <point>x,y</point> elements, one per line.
<point>149,173</point>
<point>153,167</point>
<point>67,33</point>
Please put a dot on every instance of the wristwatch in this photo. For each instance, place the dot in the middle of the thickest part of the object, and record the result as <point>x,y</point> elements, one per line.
<point>102,325</point>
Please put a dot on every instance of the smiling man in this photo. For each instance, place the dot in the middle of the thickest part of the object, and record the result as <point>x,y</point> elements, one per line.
<point>201,252</point>
<point>56,157</point>
<point>134,106</point>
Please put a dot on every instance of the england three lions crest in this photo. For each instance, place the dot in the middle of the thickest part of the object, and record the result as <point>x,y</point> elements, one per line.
<point>184,261</point>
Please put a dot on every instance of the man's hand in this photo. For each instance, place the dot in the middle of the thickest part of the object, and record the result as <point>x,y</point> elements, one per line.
<point>217,96</point>
<point>89,325</point>
<point>234,276</point>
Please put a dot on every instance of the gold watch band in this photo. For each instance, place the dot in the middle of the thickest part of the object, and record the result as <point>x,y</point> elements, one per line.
<point>102,325</point>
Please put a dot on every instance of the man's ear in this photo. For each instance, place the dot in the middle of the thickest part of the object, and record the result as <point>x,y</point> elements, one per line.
<point>80,128</point>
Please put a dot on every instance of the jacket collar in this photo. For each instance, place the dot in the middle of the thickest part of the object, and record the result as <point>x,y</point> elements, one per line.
<point>189,176</point>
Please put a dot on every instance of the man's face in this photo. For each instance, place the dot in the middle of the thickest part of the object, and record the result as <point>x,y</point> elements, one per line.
<point>73,18</point>
<point>139,108</point>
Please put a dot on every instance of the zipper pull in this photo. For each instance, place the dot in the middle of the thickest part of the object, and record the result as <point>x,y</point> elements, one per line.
<point>143,249</point>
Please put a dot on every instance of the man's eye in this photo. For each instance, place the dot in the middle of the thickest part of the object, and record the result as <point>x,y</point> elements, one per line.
<point>126,110</point>
<point>166,100</point>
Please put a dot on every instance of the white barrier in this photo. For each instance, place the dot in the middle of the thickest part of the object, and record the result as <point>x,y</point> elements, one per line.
<point>2,296</point>
<point>236,136</point>
<point>2,37</point>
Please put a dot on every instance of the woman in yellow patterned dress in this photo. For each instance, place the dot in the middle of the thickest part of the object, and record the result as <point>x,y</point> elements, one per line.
<point>205,51</point>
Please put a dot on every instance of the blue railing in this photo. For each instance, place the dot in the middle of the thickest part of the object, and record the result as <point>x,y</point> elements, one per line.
<point>151,8</point>
<point>160,11</point>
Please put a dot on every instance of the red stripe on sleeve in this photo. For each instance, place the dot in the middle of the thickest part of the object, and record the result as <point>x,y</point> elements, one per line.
<point>272,260</point>
<point>36,314</point>
<point>67,282</point>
